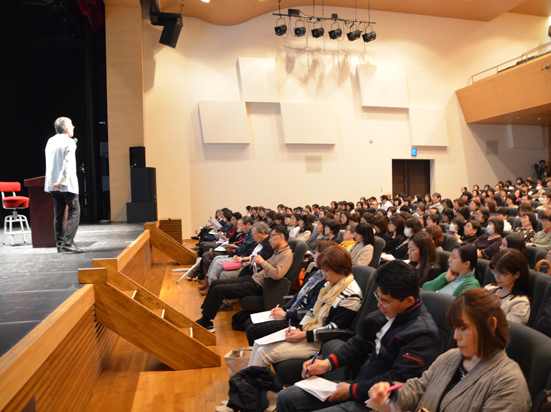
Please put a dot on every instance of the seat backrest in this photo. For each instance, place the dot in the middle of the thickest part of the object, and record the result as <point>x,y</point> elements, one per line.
<point>545,297</point>
<point>377,251</point>
<point>369,303</point>
<point>516,223</point>
<point>512,221</point>
<point>340,236</point>
<point>540,212</point>
<point>364,277</point>
<point>299,249</point>
<point>485,274</point>
<point>535,204</point>
<point>443,257</point>
<point>539,226</point>
<point>10,187</point>
<point>449,242</point>
<point>532,351</point>
<point>534,255</point>
<point>437,304</point>
<point>536,290</point>
<point>444,226</point>
<point>513,211</point>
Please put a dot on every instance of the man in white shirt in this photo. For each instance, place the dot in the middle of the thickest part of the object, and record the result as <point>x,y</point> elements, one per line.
<point>62,183</point>
<point>385,204</point>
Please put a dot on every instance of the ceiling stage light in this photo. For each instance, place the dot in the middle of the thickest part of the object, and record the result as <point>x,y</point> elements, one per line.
<point>369,36</point>
<point>281,30</point>
<point>335,34</point>
<point>316,33</point>
<point>300,31</point>
<point>354,35</point>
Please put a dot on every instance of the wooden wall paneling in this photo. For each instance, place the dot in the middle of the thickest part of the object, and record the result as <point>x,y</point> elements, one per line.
<point>172,227</point>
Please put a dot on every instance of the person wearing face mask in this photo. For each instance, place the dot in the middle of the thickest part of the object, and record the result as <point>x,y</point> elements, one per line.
<point>544,199</point>
<point>488,244</point>
<point>456,226</point>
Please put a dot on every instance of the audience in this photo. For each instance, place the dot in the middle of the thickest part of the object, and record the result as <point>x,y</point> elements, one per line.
<point>423,257</point>
<point>510,269</point>
<point>488,244</point>
<point>461,275</point>
<point>485,377</point>
<point>362,250</point>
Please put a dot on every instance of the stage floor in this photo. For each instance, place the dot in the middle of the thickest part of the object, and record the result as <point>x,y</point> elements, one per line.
<point>34,282</point>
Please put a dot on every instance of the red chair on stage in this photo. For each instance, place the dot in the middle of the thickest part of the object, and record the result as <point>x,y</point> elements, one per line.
<point>14,203</point>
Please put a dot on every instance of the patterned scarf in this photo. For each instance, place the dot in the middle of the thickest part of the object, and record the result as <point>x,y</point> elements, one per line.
<point>307,287</point>
<point>326,298</point>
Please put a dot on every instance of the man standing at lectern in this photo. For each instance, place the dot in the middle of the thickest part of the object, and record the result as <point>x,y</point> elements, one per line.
<point>62,183</point>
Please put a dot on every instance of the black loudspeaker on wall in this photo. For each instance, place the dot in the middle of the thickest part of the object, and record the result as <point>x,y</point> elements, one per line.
<point>137,156</point>
<point>171,32</point>
<point>143,184</point>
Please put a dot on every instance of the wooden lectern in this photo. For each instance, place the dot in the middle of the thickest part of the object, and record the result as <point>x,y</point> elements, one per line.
<point>41,209</point>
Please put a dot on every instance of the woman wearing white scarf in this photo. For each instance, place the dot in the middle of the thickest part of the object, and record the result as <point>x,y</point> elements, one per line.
<point>336,307</point>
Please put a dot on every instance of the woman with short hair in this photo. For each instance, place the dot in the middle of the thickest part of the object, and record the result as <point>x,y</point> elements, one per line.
<point>527,230</point>
<point>477,376</point>
<point>488,244</point>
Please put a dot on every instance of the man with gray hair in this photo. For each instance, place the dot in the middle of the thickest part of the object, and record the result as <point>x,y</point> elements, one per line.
<point>62,183</point>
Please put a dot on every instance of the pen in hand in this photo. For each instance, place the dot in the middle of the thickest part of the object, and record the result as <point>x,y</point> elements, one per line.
<point>289,325</point>
<point>272,314</point>
<point>313,360</point>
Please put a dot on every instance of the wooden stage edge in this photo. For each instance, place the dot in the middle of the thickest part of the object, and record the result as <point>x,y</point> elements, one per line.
<point>70,362</point>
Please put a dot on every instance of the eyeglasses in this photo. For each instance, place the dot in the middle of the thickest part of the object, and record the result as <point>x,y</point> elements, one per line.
<point>499,274</point>
<point>383,304</point>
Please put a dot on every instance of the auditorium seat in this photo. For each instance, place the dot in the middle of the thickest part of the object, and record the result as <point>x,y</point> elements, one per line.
<point>534,255</point>
<point>377,251</point>
<point>449,242</point>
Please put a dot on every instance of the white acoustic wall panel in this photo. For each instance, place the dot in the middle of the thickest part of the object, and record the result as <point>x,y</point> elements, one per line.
<point>306,123</point>
<point>382,85</point>
<point>257,80</point>
<point>428,127</point>
<point>525,137</point>
<point>224,122</point>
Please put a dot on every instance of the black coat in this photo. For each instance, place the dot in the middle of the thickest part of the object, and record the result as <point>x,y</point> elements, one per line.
<point>249,388</point>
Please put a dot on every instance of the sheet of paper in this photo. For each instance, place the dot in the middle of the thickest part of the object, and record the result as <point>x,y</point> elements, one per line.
<point>319,387</point>
<point>278,336</point>
<point>262,317</point>
<point>387,256</point>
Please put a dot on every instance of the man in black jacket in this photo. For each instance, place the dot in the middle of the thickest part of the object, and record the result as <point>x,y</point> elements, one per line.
<point>397,342</point>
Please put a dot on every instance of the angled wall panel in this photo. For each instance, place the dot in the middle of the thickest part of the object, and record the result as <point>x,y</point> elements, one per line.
<point>428,127</point>
<point>525,137</point>
<point>257,80</point>
<point>224,122</point>
<point>306,123</point>
<point>382,86</point>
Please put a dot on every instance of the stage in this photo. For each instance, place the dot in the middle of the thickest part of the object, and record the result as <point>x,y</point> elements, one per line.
<point>35,281</point>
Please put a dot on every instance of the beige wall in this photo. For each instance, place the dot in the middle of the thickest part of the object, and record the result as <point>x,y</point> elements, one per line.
<point>125,114</point>
<point>438,55</point>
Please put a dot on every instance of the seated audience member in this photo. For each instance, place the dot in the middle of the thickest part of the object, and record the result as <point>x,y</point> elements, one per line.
<point>305,229</point>
<point>332,229</point>
<point>336,307</point>
<point>275,267</point>
<point>510,201</point>
<point>208,240</point>
<point>362,250</point>
<point>345,218</point>
<point>544,199</point>
<point>318,234</point>
<point>288,225</point>
<point>543,237</point>
<point>423,257</point>
<point>396,226</point>
<point>261,235</point>
<point>474,205</point>
<point>435,232</point>
<point>235,240</point>
<point>295,228</point>
<point>368,217</point>
<point>456,226</point>
<point>348,236</point>
<point>510,269</point>
<point>447,215</point>
<point>503,213</point>
<point>461,275</point>
<point>524,208</point>
<point>397,239</point>
<point>436,199</point>
<point>433,219</point>
<point>465,213</point>
<point>488,244</point>
<point>466,197</point>
<point>270,219</point>
<point>527,230</point>
<point>514,241</point>
<point>381,227</point>
<point>391,211</point>
<point>481,216</point>
<point>491,206</point>
<point>395,343</point>
<point>471,232</point>
<point>295,309</point>
<point>412,226</point>
<point>477,376</point>
<point>458,204</point>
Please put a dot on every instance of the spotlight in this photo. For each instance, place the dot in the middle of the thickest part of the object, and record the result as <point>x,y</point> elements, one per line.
<point>281,30</point>
<point>335,34</point>
<point>317,32</point>
<point>300,31</point>
<point>369,36</point>
<point>354,35</point>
